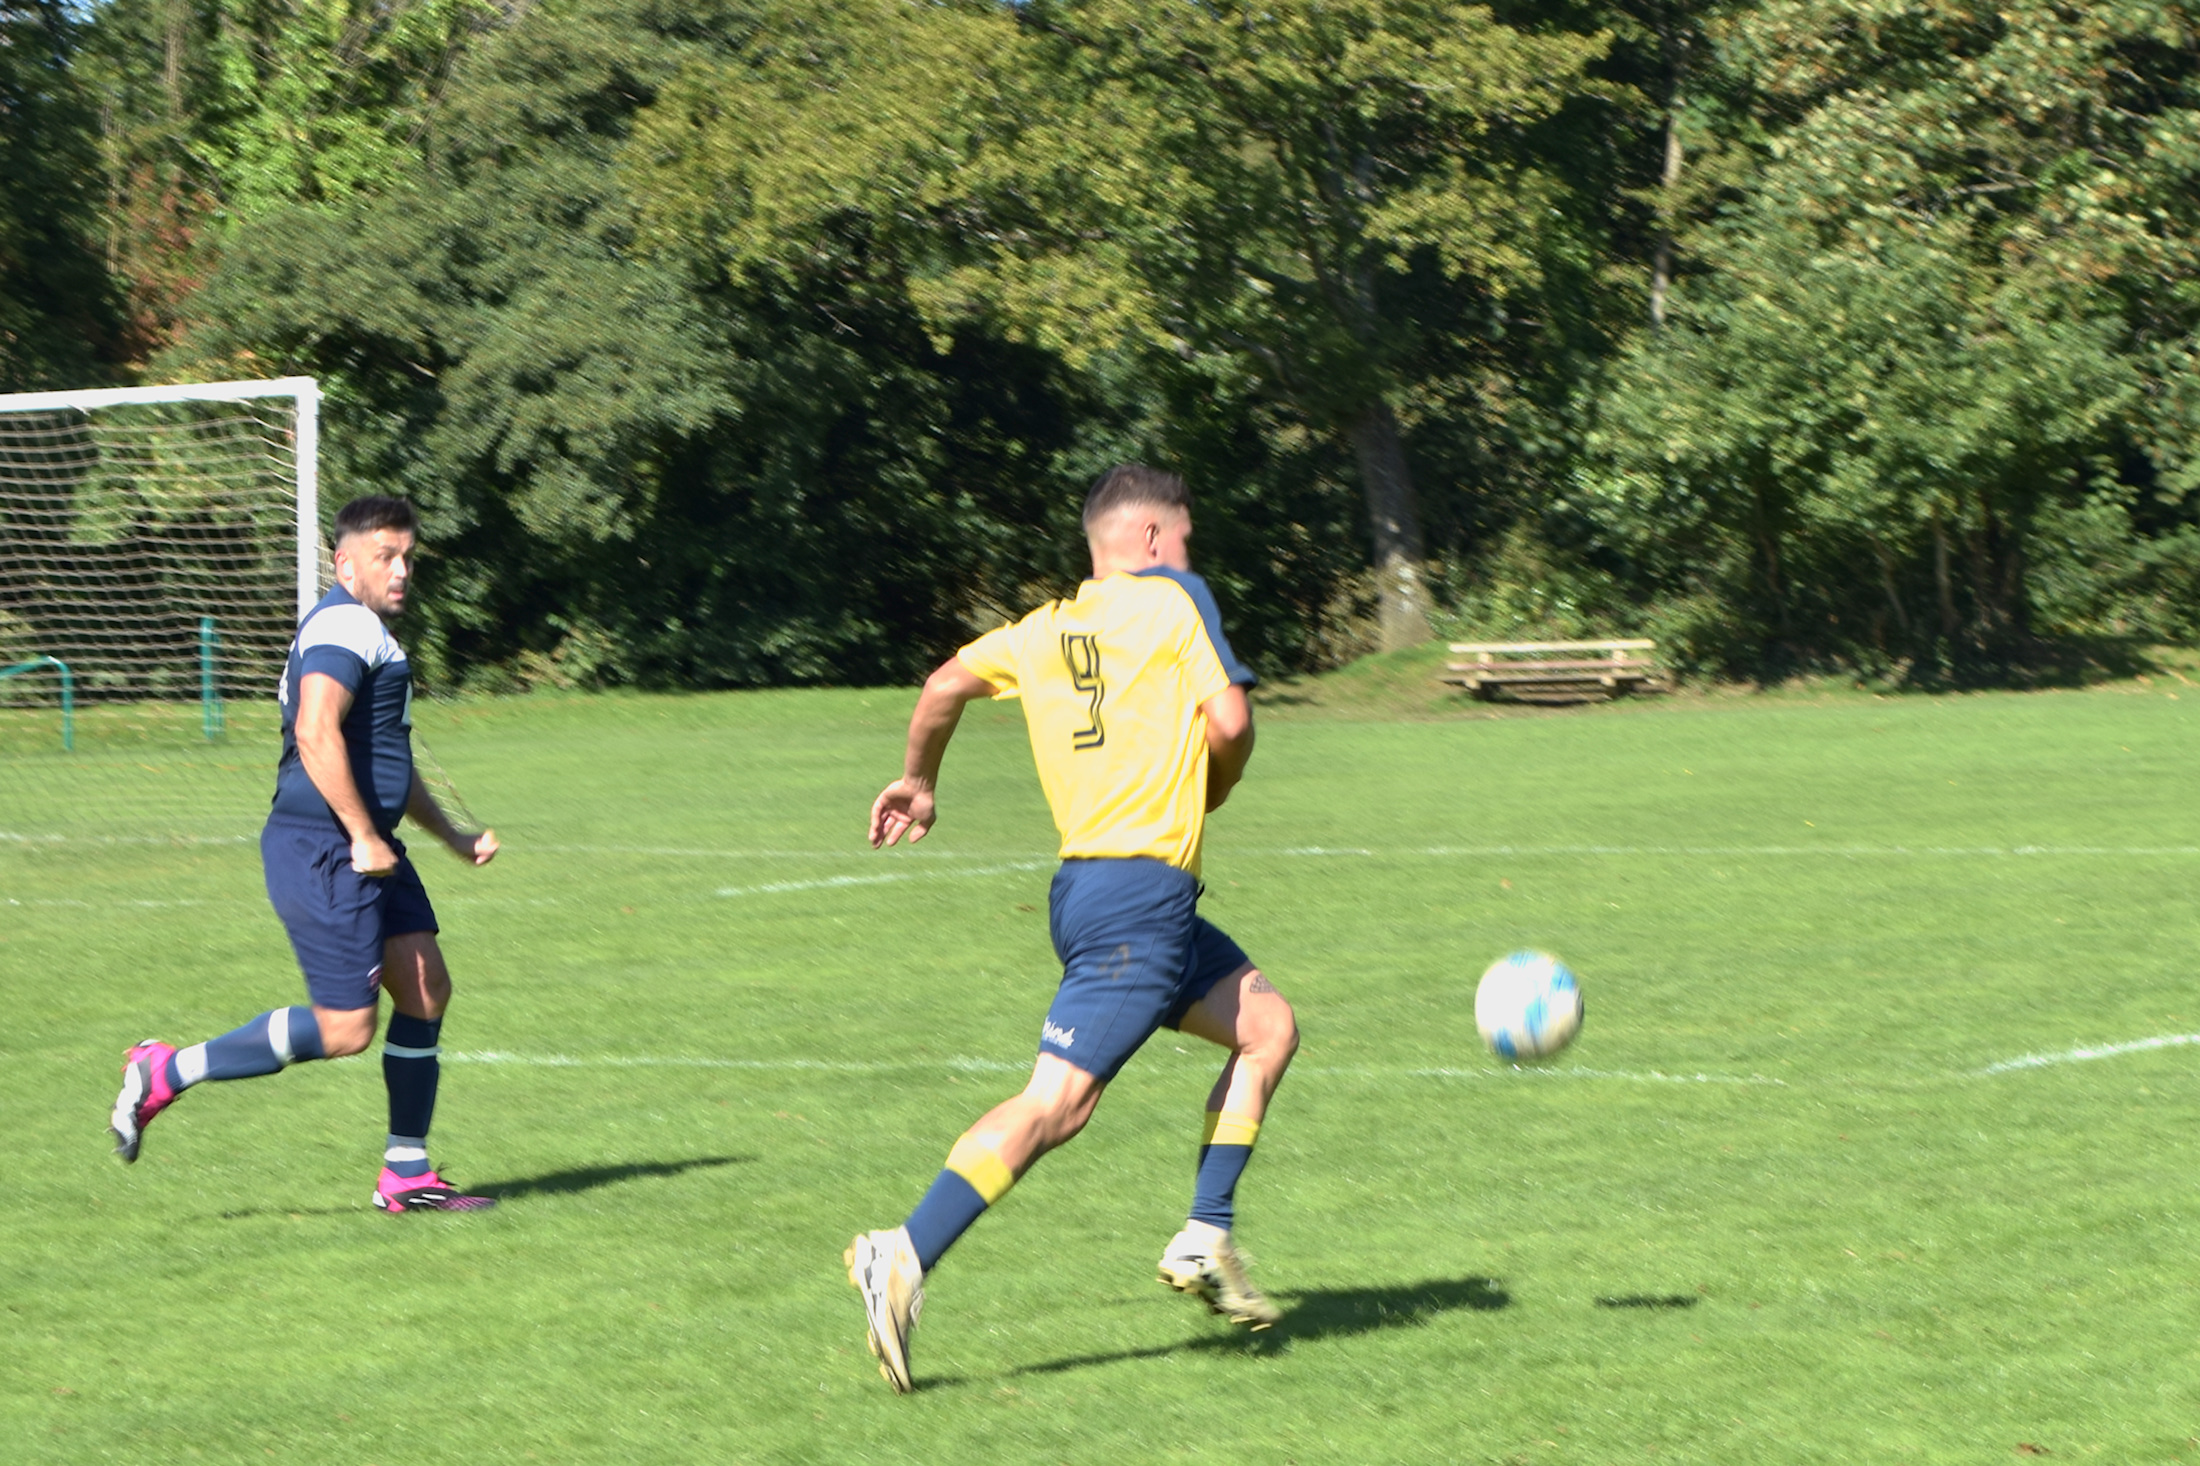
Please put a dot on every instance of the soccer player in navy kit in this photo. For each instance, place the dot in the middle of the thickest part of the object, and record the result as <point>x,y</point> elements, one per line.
<point>337,874</point>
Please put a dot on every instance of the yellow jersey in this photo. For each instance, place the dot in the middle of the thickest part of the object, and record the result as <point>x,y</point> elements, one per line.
<point>1112,684</point>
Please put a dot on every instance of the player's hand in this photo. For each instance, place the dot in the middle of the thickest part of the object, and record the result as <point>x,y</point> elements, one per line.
<point>372,856</point>
<point>902,808</point>
<point>480,849</point>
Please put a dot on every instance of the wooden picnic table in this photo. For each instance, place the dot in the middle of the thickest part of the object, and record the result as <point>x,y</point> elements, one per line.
<point>1557,671</point>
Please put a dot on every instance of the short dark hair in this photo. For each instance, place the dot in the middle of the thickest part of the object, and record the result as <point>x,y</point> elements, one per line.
<point>1134,483</point>
<point>376,511</point>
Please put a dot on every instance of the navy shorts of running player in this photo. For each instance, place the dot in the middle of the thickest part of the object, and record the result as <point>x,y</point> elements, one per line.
<point>337,918</point>
<point>1135,954</point>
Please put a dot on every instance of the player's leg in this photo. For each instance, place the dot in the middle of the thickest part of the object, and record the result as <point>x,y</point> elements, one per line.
<point>155,1074</point>
<point>337,936</point>
<point>1244,1013</point>
<point>419,984</point>
<point>993,1154</point>
<point>888,1267</point>
<point>1122,929</point>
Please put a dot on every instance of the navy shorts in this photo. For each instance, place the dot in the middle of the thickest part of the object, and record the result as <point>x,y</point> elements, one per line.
<point>1135,956</point>
<point>337,918</point>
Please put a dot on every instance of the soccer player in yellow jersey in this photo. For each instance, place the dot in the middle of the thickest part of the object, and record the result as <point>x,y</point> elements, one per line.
<point>1140,726</point>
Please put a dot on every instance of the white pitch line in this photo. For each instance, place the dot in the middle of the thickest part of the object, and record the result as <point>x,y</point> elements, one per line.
<point>2085,1054</point>
<point>645,1061</point>
<point>1445,852</point>
<point>1358,852</point>
<point>12,837</point>
<point>1651,1076</point>
<point>773,888</point>
<point>87,906</point>
<point>999,1066</point>
<point>687,852</point>
<point>1665,851</point>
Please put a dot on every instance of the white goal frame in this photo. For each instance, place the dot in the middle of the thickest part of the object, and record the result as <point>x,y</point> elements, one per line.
<point>305,392</point>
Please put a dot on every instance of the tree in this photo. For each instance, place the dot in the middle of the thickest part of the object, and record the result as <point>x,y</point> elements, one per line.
<point>216,112</point>
<point>1253,183</point>
<point>1928,324</point>
<point>58,324</point>
<point>631,472</point>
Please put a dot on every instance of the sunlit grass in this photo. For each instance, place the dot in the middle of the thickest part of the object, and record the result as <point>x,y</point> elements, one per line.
<point>1768,1208</point>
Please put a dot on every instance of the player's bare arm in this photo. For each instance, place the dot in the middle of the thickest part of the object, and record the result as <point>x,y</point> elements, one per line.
<point>1229,742</point>
<point>906,805</point>
<point>422,810</point>
<point>323,703</point>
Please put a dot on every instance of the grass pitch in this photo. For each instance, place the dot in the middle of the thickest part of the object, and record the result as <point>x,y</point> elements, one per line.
<point>1828,1177</point>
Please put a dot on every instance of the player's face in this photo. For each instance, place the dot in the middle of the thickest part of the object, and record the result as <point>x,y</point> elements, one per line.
<point>376,567</point>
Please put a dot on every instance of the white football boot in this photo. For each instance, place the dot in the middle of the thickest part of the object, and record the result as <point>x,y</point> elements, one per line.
<point>1200,1260</point>
<point>883,1266</point>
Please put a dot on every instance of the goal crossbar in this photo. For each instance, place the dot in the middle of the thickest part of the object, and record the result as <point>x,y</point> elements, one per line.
<point>305,392</point>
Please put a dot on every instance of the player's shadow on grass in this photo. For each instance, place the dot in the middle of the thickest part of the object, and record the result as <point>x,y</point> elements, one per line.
<point>580,1178</point>
<point>1316,1313</point>
<point>588,1178</point>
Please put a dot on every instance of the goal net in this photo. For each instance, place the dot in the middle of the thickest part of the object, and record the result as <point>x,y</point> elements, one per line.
<point>157,546</point>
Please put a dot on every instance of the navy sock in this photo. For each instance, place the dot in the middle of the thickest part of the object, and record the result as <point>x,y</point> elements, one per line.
<point>1214,1195</point>
<point>1229,1145</point>
<point>263,1046</point>
<point>946,1213</point>
<point>410,1072</point>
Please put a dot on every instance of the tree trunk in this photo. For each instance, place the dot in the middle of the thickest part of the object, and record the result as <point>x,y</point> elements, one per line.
<point>1675,48</point>
<point>1388,483</point>
<point>1661,263</point>
<point>1944,583</point>
<point>1886,583</point>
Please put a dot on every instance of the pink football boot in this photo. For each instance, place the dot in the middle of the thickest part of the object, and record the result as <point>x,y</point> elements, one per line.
<point>145,1093</point>
<point>395,1193</point>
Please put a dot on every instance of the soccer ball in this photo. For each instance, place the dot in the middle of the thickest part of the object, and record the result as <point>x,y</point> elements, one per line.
<point>1528,1006</point>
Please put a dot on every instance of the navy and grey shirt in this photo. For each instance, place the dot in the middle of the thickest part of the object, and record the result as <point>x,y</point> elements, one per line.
<point>348,642</point>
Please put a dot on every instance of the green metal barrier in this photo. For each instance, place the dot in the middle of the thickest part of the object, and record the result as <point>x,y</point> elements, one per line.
<point>210,697</point>
<point>68,692</point>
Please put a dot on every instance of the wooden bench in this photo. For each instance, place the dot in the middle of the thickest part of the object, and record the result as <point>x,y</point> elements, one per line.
<point>1556,671</point>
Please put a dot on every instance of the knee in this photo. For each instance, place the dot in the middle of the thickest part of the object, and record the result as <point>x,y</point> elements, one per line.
<point>1060,1121</point>
<point>1061,1111</point>
<point>1273,1038</point>
<point>345,1033</point>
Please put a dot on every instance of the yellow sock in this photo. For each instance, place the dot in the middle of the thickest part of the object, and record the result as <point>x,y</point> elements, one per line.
<point>981,1165</point>
<point>1224,1128</point>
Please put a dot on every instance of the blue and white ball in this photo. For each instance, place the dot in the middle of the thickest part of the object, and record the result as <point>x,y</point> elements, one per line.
<point>1528,1006</point>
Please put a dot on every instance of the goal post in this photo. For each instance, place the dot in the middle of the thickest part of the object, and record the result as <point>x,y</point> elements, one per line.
<point>158,546</point>
<point>304,392</point>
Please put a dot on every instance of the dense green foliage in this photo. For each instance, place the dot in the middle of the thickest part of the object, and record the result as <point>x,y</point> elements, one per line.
<point>58,321</point>
<point>1766,1209</point>
<point>763,341</point>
